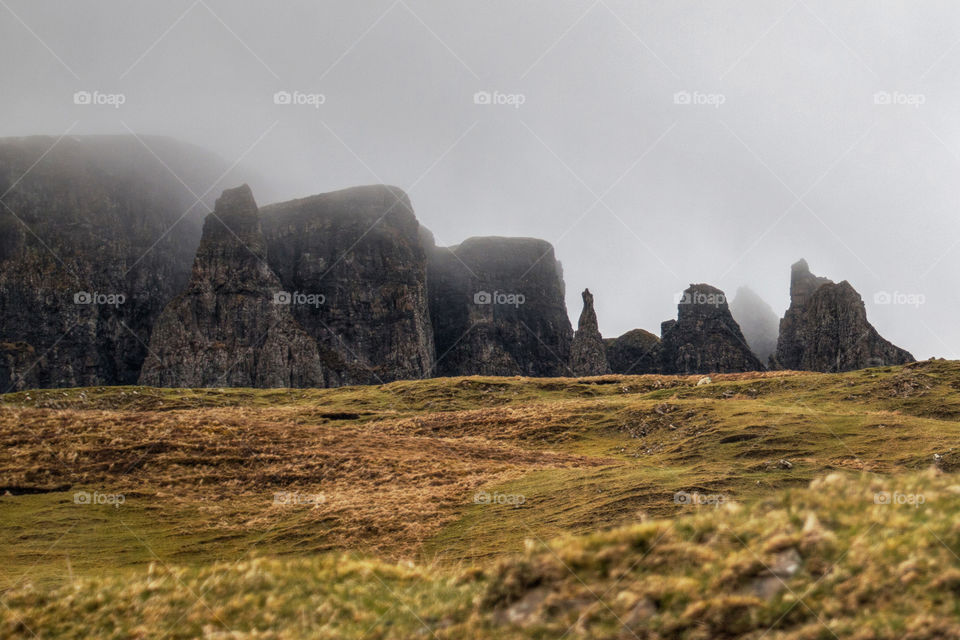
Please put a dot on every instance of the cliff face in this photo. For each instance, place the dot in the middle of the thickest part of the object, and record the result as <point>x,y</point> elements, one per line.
<point>705,338</point>
<point>360,250</point>
<point>497,306</point>
<point>759,323</point>
<point>230,327</point>
<point>634,353</point>
<point>826,328</point>
<point>588,356</point>
<point>96,236</point>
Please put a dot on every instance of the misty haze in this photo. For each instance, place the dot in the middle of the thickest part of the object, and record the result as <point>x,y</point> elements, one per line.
<point>409,318</point>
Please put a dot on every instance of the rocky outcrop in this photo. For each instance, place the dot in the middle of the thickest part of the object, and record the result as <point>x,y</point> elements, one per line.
<point>759,323</point>
<point>97,234</point>
<point>634,353</point>
<point>497,306</point>
<point>826,328</point>
<point>360,250</point>
<point>231,327</point>
<point>97,238</point>
<point>704,338</point>
<point>588,356</point>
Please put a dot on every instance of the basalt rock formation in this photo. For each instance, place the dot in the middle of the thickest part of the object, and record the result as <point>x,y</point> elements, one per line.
<point>634,353</point>
<point>588,356</point>
<point>361,250</point>
<point>497,306</point>
<point>97,234</point>
<point>759,323</point>
<point>231,327</point>
<point>826,328</point>
<point>704,338</point>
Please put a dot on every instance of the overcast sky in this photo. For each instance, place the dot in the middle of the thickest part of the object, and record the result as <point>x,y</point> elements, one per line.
<point>785,149</point>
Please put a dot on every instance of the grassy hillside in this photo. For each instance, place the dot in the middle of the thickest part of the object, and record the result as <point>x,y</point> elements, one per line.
<point>831,560</point>
<point>432,488</point>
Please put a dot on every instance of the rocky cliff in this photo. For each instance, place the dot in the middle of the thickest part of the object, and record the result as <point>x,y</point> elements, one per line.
<point>231,327</point>
<point>759,323</point>
<point>497,306</point>
<point>704,338</point>
<point>826,329</point>
<point>360,250</point>
<point>97,234</point>
<point>588,355</point>
<point>634,353</point>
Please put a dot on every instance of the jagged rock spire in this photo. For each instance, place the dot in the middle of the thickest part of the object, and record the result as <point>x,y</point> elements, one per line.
<point>826,328</point>
<point>231,326</point>
<point>588,355</point>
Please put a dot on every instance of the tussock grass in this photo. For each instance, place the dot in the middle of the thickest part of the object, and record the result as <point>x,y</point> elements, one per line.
<point>828,560</point>
<point>391,472</point>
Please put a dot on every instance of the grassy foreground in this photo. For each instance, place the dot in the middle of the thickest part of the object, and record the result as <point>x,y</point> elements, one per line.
<point>452,507</point>
<point>836,559</point>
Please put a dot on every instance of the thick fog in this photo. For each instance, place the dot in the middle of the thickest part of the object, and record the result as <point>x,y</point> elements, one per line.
<point>655,144</point>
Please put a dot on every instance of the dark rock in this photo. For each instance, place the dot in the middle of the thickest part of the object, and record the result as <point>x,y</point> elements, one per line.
<point>759,323</point>
<point>230,327</point>
<point>19,366</point>
<point>497,306</point>
<point>84,221</point>
<point>704,338</point>
<point>826,328</point>
<point>588,356</point>
<point>361,249</point>
<point>634,353</point>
